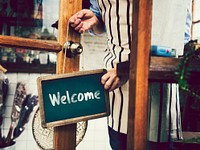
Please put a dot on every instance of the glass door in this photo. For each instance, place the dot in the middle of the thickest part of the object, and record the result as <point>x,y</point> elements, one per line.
<point>28,35</point>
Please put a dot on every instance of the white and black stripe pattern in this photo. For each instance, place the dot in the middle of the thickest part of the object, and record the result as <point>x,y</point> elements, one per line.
<point>164,112</point>
<point>170,116</point>
<point>118,29</point>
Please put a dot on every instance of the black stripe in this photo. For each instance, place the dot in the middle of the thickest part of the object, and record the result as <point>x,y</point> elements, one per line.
<point>106,63</point>
<point>118,33</point>
<point>111,55</point>
<point>110,20</point>
<point>118,25</point>
<point>170,115</point>
<point>108,53</point>
<point>128,30</point>
<point>128,24</point>
<point>150,101</point>
<point>120,55</point>
<point>160,112</point>
<point>104,6</point>
<point>114,57</point>
<point>112,108</point>
<point>121,107</point>
<point>177,117</point>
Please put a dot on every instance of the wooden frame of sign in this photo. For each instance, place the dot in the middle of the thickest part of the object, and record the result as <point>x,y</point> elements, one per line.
<point>73,97</point>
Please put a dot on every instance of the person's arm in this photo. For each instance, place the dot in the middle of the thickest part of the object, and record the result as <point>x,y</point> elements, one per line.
<point>115,77</point>
<point>95,9</point>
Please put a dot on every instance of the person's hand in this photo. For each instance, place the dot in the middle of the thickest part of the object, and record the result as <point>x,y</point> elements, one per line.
<point>83,20</point>
<point>111,81</point>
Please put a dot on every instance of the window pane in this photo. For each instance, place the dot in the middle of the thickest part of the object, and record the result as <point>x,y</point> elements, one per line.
<point>29,18</point>
<point>196,14</point>
<point>20,55</point>
<point>196,31</point>
<point>26,60</point>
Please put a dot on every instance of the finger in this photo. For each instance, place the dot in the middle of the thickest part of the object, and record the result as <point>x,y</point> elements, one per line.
<point>82,30</point>
<point>86,26</point>
<point>79,26</point>
<point>104,78</point>
<point>108,84</point>
<point>76,22</point>
<point>115,84</point>
<point>71,20</point>
<point>80,14</point>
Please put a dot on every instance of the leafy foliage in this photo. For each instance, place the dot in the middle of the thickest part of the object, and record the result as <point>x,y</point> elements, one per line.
<point>190,53</point>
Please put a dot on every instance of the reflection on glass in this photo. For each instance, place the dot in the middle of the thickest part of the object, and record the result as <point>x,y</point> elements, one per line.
<point>24,56</point>
<point>29,18</point>
<point>34,19</point>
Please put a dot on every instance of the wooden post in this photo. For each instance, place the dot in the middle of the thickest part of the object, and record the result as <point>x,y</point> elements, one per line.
<point>65,136</point>
<point>139,68</point>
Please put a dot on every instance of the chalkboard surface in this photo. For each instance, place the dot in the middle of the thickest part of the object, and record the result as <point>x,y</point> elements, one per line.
<point>73,97</point>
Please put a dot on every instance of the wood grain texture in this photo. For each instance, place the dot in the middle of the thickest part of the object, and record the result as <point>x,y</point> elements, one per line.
<point>33,44</point>
<point>65,136</point>
<point>163,69</point>
<point>67,9</point>
<point>139,68</point>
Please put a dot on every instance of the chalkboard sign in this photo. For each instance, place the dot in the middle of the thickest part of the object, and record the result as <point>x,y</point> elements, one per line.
<point>73,97</point>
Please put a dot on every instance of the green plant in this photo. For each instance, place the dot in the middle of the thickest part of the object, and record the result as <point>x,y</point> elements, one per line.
<point>192,140</point>
<point>184,72</point>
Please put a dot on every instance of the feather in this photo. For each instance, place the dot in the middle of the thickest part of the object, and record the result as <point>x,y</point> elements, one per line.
<point>19,97</point>
<point>27,108</point>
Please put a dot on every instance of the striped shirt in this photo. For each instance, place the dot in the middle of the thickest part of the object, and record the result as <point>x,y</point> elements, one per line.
<point>118,48</point>
<point>164,109</point>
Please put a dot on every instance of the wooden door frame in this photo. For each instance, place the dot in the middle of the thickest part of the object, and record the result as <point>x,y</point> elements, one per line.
<point>139,75</point>
<point>64,136</point>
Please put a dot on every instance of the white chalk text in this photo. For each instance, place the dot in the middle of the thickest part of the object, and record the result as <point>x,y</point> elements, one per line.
<point>67,98</point>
